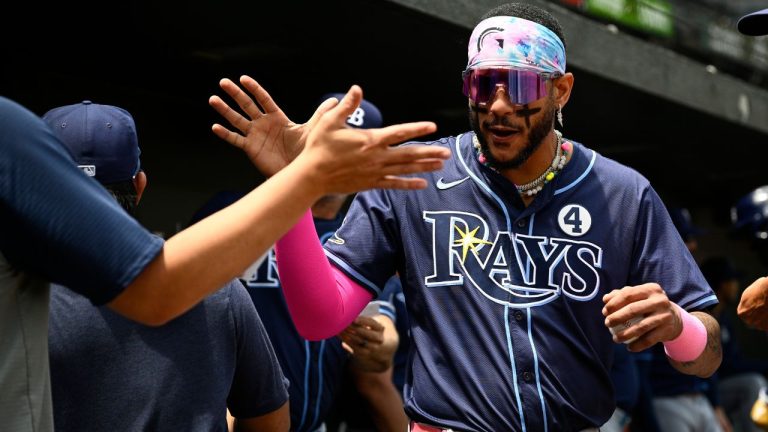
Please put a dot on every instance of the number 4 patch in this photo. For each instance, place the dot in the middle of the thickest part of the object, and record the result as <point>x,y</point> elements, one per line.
<point>574,220</point>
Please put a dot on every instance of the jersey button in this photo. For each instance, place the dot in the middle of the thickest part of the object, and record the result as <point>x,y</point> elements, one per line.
<point>527,376</point>
<point>518,315</point>
<point>521,223</point>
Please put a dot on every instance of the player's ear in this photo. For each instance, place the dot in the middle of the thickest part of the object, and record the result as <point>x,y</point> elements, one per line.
<point>139,182</point>
<point>561,89</point>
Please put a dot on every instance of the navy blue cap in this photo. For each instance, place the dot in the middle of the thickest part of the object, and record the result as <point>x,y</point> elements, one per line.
<point>101,138</point>
<point>366,116</point>
<point>754,24</point>
<point>681,217</point>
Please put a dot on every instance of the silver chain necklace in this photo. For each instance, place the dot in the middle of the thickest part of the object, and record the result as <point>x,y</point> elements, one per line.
<point>536,185</point>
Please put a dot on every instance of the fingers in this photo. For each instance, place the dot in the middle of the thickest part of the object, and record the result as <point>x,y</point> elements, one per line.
<point>236,140</point>
<point>650,338</point>
<point>396,134</point>
<point>632,310</point>
<point>243,100</point>
<point>617,299</point>
<point>262,97</point>
<point>401,183</point>
<point>410,153</point>
<point>347,105</point>
<point>369,322</point>
<point>324,107</point>
<point>642,331</point>
<point>233,117</point>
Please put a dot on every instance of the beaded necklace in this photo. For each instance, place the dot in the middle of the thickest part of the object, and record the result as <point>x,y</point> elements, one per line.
<point>536,185</point>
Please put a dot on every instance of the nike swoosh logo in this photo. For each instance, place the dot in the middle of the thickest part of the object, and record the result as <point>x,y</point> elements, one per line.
<point>443,186</point>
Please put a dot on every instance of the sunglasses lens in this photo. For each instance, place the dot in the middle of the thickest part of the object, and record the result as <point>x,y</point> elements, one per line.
<point>522,86</point>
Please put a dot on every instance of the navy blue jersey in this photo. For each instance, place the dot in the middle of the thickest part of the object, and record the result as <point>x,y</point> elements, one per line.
<point>505,301</point>
<point>393,293</point>
<point>314,368</point>
<point>110,373</point>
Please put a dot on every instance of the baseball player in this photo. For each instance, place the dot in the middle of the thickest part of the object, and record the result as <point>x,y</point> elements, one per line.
<point>519,257</point>
<point>315,368</point>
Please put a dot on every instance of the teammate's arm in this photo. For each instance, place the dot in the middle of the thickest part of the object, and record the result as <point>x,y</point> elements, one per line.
<point>335,160</point>
<point>642,316</point>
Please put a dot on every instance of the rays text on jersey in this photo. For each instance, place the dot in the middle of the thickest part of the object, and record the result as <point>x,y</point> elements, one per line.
<point>510,268</point>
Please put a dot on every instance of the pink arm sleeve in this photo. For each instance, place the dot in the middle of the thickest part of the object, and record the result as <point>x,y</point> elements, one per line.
<point>322,300</point>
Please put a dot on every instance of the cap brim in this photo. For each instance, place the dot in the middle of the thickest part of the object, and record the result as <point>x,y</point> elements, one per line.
<point>754,24</point>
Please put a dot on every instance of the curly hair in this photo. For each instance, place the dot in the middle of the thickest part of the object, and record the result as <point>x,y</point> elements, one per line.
<point>530,13</point>
<point>125,194</point>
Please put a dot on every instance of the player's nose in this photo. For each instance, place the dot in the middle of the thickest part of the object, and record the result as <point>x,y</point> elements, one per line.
<point>500,104</point>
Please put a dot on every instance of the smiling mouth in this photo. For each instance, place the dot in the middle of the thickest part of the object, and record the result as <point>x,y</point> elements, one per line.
<point>503,133</point>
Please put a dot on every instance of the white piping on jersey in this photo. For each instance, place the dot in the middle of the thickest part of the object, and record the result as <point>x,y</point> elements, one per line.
<point>353,272</point>
<point>510,348</point>
<point>701,302</point>
<point>530,338</point>
<point>581,177</point>
<point>511,353</point>
<point>482,184</point>
<point>306,383</point>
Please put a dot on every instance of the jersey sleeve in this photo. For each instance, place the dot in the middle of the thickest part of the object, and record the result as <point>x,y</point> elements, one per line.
<point>661,256</point>
<point>365,245</point>
<point>258,386</point>
<point>57,222</point>
<point>386,300</point>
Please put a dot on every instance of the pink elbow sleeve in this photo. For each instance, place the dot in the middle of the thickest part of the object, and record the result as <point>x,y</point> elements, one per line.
<point>321,299</point>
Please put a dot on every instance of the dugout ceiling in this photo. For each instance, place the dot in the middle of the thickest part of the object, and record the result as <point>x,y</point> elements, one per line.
<point>699,136</point>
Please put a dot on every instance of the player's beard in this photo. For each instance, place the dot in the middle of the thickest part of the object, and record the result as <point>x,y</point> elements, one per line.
<point>536,134</point>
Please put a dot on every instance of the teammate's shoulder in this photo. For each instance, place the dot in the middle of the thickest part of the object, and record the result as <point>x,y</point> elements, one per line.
<point>229,295</point>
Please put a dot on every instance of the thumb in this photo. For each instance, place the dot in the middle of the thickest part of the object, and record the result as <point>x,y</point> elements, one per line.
<point>323,108</point>
<point>347,105</point>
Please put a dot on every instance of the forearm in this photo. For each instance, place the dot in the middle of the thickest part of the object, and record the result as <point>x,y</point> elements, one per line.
<point>709,360</point>
<point>202,258</point>
<point>384,401</point>
<point>322,301</point>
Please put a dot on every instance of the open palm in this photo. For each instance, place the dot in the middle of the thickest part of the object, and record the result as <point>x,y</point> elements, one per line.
<point>269,138</point>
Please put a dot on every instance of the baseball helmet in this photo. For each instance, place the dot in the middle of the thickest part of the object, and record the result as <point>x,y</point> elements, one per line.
<point>750,214</point>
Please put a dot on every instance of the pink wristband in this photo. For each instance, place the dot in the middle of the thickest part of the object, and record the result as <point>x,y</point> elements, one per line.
<point>691,342</point>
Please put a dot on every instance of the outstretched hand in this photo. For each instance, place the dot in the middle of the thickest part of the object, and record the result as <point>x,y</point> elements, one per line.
<point>347,160</point>
<point>269,138</point>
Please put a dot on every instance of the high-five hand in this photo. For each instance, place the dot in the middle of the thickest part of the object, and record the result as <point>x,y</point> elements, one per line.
<point>269,138</point>
<point>349,160</point>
